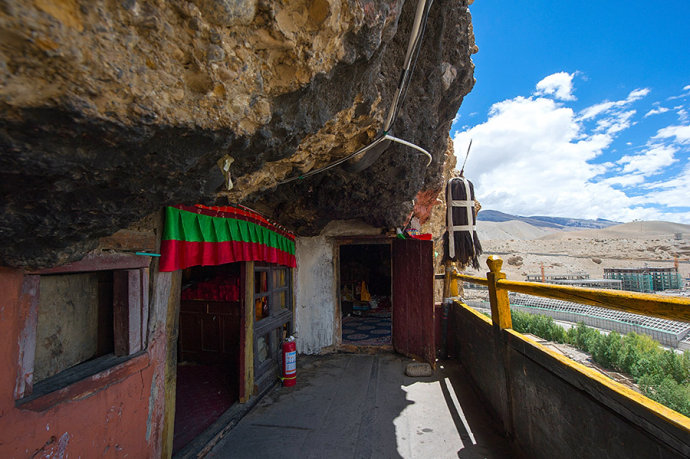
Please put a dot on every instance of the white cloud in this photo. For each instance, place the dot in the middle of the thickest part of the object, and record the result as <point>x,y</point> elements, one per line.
<point>683,95</point>
<point>535,155</point>
<point>670,192</point>
<point>681,134</point>
<point>528,158</point>
<point>617,122</point>
<point>637,94</point>
<point>653,160</point>
<point>558,85</point>
<point>656,111</point>
<point>606,106</point>
<point>624,180</point>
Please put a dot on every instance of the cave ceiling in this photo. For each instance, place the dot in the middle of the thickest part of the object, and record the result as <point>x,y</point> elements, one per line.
<point>113,109</point>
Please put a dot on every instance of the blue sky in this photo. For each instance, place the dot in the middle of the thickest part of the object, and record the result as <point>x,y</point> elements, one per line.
<point>580,109</point>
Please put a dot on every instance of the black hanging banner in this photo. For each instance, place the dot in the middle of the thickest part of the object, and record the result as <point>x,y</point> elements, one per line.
<point>461,241</point>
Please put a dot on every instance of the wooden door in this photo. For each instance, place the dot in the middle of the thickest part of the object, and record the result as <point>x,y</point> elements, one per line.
<point>210,332</point>
<point>413,299</point>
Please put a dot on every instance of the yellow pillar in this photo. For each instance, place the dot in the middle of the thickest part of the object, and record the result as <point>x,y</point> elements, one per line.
<point>454,290</point>
<point>500,305</point>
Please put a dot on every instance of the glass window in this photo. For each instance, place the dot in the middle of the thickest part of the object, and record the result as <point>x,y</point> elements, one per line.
<point>261,308</point>
<point>273,319</point>
<point>261,282</point>
<point>263,348</point>
<point>280,277</point>
<point>282,299</point>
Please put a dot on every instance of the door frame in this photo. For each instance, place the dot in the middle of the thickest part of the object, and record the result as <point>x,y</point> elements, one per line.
<point>354,240</point>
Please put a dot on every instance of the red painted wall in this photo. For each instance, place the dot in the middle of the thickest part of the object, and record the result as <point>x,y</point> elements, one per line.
<point>119,418</point>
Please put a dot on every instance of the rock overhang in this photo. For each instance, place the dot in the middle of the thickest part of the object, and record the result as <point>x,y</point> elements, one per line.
<point>110,135</point>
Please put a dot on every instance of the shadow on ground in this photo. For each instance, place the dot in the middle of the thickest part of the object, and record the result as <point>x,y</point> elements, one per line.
<point>361,406</point>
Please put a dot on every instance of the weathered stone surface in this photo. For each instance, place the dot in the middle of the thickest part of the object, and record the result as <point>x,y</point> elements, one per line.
<point>110,110</point>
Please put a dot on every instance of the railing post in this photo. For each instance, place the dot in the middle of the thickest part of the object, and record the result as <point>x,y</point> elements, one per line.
<point>450,283</point>
<point>500,305</point>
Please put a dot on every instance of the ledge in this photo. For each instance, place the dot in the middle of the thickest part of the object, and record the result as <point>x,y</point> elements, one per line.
<point>653,416</point>
<point>100,262</point>
<point>83,381</point>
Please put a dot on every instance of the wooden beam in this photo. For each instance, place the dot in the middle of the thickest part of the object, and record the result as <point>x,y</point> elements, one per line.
<point>100,262</point>
<point>129,240</point>
<point>28,300</point>
<point>144,306</point>
<point>247,335</point>
<point>172,327</point>
<point>128,308</point>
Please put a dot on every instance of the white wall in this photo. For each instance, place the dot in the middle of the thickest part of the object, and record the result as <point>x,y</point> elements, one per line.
<point>316,322</point>
<point>314,294</point>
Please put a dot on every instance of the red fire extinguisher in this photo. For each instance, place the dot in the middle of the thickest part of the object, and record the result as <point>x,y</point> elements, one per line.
<point>289,362</point>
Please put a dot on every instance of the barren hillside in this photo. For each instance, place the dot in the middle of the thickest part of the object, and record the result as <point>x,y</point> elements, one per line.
<point>524,248</point>
<point>634,230</point>
<point>510,230</point>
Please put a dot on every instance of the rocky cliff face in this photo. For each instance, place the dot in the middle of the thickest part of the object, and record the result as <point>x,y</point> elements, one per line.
<point>112,109</point>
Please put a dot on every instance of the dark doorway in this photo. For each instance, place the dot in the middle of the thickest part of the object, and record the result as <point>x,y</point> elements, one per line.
<point>208,367</point>
<point>365,294</point>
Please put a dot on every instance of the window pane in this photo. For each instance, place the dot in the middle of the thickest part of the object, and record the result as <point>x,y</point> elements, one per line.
<point>262,348</point>
<point>261,308</point>
<point>280,278</point>
<point>282,300</point>
<point>260,281</point>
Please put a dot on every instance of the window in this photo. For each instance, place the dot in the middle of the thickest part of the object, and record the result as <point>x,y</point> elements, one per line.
<point>85,317</point>
<point>272,319</point>
<point>75,321</point>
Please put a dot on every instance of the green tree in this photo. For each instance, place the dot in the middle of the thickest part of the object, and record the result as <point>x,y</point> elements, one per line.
<point>662,375</point>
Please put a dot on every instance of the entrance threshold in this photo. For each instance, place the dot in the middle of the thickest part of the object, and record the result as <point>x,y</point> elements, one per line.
<point>364,349</point>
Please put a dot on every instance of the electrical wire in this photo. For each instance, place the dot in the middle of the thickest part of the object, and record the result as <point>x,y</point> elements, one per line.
<point>411,145</point>
<point>413,47</point>
<point>335,163</point>
<point>411,56</point>
<point>362,150</point>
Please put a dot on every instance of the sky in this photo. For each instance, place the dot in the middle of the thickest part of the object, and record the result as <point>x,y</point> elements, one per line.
<point>580,109</point>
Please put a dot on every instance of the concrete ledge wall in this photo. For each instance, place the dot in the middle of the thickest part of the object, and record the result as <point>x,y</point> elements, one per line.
<point>552,407</point>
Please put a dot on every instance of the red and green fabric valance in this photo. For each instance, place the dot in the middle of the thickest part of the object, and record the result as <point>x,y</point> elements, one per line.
<point>204,236</point>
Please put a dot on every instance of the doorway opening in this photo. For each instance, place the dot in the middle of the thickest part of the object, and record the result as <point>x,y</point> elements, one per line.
<point>365,294</point>
<point>208,350</point>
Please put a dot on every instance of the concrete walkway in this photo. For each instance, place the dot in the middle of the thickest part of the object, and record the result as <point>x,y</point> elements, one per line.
<point>363,406</point>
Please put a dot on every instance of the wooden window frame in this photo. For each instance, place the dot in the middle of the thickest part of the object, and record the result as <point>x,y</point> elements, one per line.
<point>277,318</point>
<point>130,327</point>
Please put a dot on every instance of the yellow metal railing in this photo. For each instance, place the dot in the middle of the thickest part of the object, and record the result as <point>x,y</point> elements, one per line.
<point>672,308</point>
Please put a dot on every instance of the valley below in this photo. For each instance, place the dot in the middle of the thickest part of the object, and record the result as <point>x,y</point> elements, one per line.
<point>524,248</point>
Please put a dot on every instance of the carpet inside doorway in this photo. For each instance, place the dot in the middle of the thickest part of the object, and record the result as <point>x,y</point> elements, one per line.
<point>370,330</point>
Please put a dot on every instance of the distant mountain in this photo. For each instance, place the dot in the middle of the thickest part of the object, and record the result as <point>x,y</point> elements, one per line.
<point>562,223</point>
